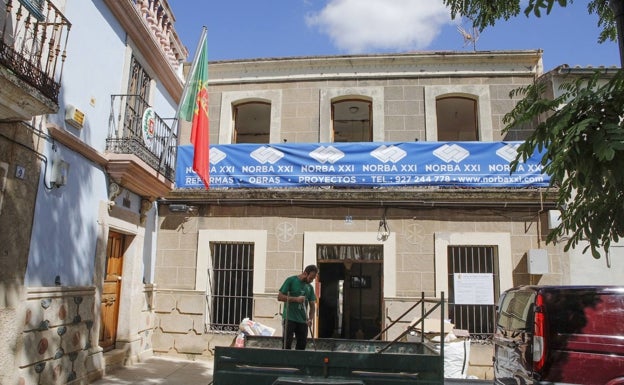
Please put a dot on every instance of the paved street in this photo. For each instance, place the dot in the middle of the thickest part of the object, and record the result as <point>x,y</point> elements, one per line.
<point>161,371</point>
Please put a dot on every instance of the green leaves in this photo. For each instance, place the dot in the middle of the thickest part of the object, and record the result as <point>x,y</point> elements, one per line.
<point>536,6</point>
<point>582,131</point>
<point>485,13</point>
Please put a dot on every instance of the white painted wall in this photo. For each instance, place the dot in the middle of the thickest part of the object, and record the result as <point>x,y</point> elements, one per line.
<point>586,270</point>
<point>65,228</point>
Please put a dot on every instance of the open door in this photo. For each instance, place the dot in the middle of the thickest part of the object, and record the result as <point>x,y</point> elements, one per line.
<point>112,289</point>
<point>350,300</point>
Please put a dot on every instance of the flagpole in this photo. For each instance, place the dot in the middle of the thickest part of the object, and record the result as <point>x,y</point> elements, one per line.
<point>202,37</point>
<point>185,89</point>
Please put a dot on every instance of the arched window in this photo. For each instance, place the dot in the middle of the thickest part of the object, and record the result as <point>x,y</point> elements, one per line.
<point>457,118</point>
<point>352,121</point>
<point>252,122</point>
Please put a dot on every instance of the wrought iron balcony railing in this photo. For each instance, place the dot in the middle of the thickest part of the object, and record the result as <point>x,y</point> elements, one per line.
<point>134,128</point>
<point>33,41</point>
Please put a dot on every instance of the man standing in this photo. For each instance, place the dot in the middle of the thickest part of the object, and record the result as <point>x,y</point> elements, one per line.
<point>297,295</point>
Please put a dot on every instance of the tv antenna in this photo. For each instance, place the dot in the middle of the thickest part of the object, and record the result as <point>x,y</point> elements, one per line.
<point>469,38</point>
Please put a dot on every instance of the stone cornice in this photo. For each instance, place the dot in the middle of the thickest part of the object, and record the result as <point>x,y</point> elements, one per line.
<point>425,64</point>
<point>423,197</point>
<point>151,50</point>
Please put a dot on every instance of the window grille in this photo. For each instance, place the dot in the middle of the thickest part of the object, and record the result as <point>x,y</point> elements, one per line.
<point>231,283</point>
<point>355,252</point>
<point>139,82</point>
<point>477,319</point>
<point>137,101</point>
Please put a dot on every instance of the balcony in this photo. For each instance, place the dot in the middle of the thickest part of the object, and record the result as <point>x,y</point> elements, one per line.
<point>33,41</point>
<point>140,148</point>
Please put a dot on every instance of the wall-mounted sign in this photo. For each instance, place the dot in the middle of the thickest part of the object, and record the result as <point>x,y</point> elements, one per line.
<point>473,288</point>
<point>148,126</point>
<point>369,164</point>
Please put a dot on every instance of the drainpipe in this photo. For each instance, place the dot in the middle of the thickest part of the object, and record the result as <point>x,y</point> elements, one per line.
<point>617,6</point>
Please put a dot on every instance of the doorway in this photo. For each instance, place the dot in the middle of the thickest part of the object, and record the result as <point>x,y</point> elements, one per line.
<point>111,289</point>
<point>351,296</point>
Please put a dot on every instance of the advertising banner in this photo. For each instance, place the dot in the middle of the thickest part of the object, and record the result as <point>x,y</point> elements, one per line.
<point>467,164</point>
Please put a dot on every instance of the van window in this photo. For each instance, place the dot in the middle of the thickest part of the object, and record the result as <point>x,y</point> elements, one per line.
<point>515,310</point>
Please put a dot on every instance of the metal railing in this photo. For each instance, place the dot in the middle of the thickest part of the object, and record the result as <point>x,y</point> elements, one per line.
<point>478,320</point>
<point>33,42</point>
<point>134,128</point>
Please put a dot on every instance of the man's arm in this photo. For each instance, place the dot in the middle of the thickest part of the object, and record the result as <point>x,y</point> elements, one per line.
<point>312,311</point>
<point>286,298</point>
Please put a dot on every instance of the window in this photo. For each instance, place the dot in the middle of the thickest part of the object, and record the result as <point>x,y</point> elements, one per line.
<point>231,284</point>
<point>241,105</point>
<point>352,121</point>
<point>478,319</point>
<point>356,252</point>
<point>139,82</point>
<point>252,122</point>
<point>477,95</point>
<point>373,96</point>
<point>515,309</point>
<point>457,119</point>
<point>318,244</point>
<point>136,99</point>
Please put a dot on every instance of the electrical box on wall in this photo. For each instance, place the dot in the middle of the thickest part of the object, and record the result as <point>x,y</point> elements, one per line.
<point>60,172</point>
<point>74,117</point>
<point>537,261</point>
<point>554,219</point>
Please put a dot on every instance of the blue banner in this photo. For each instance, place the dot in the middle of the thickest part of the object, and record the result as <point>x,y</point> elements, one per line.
<point>467,164</point>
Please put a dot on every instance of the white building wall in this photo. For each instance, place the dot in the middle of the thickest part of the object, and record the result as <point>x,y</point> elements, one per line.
<point>67,253</point>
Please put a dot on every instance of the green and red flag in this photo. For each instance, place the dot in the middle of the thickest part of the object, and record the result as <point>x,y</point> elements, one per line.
<point>194,108</point>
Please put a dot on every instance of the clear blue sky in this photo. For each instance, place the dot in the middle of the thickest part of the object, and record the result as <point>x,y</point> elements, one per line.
<point>247,29</point>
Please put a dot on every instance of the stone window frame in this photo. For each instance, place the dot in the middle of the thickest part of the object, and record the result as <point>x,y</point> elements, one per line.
<point>313,238</point>
<point>204,260</point>
<point>372,94</point>
<point>232,98</point>
<point>502,241</point>
<point>480,93</point>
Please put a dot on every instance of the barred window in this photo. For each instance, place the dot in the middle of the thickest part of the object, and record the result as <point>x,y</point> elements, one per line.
<point>231,284</point>
<point>477,319</point>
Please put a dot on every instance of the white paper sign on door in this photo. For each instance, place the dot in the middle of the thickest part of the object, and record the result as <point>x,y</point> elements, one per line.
<point>474,288</point>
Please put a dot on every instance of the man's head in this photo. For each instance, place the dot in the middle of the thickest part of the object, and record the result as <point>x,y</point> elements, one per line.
<point>309,273</point>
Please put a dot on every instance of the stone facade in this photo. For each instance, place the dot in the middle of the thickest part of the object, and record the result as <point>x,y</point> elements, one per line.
<point>285,226</point>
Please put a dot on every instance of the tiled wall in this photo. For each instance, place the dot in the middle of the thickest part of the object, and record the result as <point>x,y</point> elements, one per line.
<point>59,342</point>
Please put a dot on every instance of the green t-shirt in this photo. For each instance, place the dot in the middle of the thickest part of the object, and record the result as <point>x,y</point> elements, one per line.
<point>294,287</point>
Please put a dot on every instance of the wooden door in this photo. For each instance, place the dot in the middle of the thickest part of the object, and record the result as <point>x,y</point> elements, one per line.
<point>111,289</point>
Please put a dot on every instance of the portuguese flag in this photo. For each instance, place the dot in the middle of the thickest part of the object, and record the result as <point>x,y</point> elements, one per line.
<point>194,108</point>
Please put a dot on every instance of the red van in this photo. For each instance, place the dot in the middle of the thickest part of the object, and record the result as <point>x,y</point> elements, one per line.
<point>560,335</point>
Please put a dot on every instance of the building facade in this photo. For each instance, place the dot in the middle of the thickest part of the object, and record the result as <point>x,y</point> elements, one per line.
<point>106,258</point>
<point>379,248</point>
<point>87,144</point>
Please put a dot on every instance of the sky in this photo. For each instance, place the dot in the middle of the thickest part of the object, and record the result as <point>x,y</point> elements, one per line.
<point>251,29</point>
